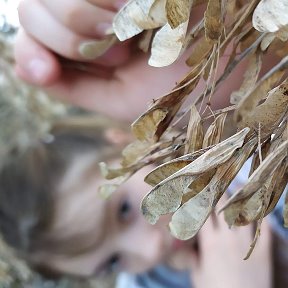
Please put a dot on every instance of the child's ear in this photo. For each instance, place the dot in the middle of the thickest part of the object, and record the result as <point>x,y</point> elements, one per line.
<point>118,136</point>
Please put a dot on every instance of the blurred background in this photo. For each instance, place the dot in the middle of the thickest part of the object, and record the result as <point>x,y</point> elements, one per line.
<point>27,113</point>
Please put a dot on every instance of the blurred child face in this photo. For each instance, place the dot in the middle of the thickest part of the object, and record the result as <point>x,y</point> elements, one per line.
<point>107,235</point>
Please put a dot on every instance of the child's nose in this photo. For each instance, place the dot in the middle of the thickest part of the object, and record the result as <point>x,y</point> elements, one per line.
<point>143,249</point>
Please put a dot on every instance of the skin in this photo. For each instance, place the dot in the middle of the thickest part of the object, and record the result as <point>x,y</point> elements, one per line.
<point>130,244</point>
<point>219,261</point>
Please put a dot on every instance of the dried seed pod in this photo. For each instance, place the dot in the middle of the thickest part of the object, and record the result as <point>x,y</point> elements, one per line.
<point>191,216</point>
<point>195,132</point>
<point>213,20</point>
<point>214,132</point>
<point>166,196</point>
<point>167,169</point>
<point>260,175</point>
<point>270,15</point>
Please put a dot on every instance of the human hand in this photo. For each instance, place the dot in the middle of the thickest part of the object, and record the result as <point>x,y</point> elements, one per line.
<point>58,27</point>
<point>219,261</point>
<point>74,29</point>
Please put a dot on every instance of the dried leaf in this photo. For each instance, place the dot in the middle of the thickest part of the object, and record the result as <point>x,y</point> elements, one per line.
<point>167,45</point>
<point>178,12</point>
<point>166,196</point>
<point>270,15</point>
<point>256,180</point>
<point>198,185</point>
<point>279,182</point>
<point>167,169</point>
<point>145,128</point>
<point>134,17</point>
<point>250,101</point>
<point>213,20</point>
<point>90,51</point>
<point>267,40</point>
<point>194,132</point>
<point>214,132</point>
<point>110,173</point>
<point>135,151</point>
<point>282,34</point>
<point>250,209</point>
<point>200,51</point>
<point>157,12</point>
<point>107,189</point>
<point>248,39</point>
<point>191,216</point>
<point>270,113</point>
<point>250,78</point>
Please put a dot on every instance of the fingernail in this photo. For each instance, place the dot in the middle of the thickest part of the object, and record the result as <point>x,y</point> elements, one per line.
<point>103,28</point>
<point>37,69</point>
<point>91,50</point>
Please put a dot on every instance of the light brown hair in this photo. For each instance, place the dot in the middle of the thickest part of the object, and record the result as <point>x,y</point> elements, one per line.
<point>28,181</point>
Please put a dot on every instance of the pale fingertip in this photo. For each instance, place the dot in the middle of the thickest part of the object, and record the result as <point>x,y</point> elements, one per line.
<point>38,70</point>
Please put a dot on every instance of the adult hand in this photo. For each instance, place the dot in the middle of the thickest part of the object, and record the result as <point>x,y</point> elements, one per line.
<point>119,83</point>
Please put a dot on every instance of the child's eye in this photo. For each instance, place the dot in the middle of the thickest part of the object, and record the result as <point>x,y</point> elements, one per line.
<point>125,210</point>
<point>113,264</point>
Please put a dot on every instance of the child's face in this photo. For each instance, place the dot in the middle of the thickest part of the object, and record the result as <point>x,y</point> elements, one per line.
<point>110,234</point>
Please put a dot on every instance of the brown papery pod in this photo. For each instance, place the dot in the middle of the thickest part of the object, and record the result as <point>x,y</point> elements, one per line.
<point>280,176</point>
<point>200,52</point>
<point>246,210</point>
<point>169,41</point>
<point>168,168</point>
<point>270,113</point>
<point>145,127</point>
<point>191,216</point>
<point>260,175</point>
<point>195,132</point>
<point>215,131</point>
<point>135,151</point>
<point>166,196</point>
<point>270,15</point>
<point>250,101</point>
<point>213,22</point>
<point>259,204</point>
<point>134,17</point>
<point>177,12</point>
<point>280,180</point>
<point>212,137</point>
